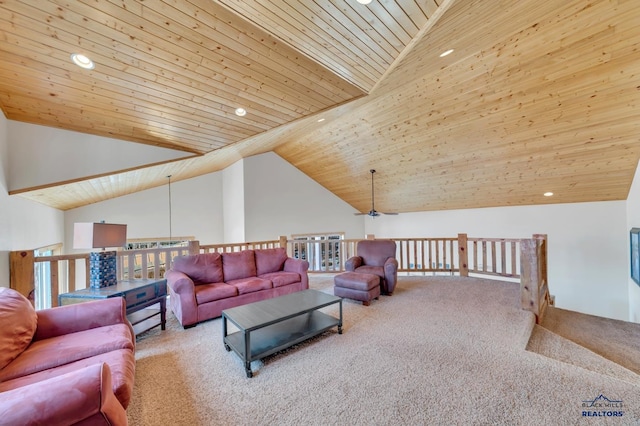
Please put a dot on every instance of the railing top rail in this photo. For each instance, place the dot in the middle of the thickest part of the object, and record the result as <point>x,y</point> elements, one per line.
<point>252,243</point>
<point>426,239</point>
<point>498,240</point>
<point>60,257</point>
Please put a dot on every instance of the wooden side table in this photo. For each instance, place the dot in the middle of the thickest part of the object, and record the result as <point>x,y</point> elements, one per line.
<point>140,295</point>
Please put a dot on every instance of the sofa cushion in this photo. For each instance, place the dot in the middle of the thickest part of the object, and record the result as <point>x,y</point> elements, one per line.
<point>216,291</point>
<point>280,279</point>
<point>373,270</point>
<point>18,321</point>
<point>237,265</point>
<point>250,285</point>
<point>201,268</point>
<point>67,348</point>
<point>270,260</point>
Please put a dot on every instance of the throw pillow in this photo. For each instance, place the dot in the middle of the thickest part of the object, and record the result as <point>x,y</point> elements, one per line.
<point>18,321</point>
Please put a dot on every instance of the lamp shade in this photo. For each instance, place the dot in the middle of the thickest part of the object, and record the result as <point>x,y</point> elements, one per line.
<point>98,235</point>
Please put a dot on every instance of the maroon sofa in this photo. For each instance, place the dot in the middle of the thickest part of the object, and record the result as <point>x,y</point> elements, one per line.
<point>73,364</point>
<point>201,286</point>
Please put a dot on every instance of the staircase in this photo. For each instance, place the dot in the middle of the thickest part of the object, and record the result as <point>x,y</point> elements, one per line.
<point>602,345</point>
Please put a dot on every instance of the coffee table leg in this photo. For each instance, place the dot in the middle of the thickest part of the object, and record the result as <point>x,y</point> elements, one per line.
<point>340,320</point>
<point>224,333</point>
<point>247,354</point>
<point>163,313</point>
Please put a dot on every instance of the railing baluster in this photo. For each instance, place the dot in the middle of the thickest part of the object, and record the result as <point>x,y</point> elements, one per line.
<point>55,283</point>
<point>71,282</point>
<point>493,256</point>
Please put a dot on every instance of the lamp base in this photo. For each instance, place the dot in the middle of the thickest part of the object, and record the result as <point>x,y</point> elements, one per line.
<point>102,269</point>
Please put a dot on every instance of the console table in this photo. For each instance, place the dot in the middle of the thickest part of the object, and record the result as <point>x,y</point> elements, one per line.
<point>139,294</point>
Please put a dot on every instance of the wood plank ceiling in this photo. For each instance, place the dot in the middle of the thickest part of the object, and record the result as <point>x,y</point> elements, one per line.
<point>536,97</point>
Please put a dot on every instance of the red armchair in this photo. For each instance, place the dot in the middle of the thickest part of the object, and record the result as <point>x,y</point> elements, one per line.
<point>377,257</point>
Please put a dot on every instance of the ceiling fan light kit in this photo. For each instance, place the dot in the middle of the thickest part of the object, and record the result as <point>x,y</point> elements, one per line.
<point>373,212</point>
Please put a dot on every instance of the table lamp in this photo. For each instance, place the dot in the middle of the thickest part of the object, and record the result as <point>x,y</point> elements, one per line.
<point>102,264</point>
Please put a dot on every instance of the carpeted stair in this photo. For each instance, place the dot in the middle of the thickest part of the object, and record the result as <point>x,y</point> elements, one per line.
<point>602,345</point>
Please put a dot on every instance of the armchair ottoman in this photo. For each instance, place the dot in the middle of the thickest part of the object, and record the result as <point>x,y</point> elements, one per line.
<point>356,286</point>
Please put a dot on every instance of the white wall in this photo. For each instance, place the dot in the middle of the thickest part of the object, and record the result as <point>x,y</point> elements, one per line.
<point>281,200</point>
<point>233,203</point>
<point>41,155</point>
<point>196,210</point>
<point>255,199</point>
<point>633,221</point>
<point>587,250</point>
<point>5,228</point>
<point>24,224</point>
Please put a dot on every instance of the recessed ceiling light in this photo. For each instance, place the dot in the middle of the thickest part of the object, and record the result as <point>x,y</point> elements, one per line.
<point>241,112</point>
<point>548,194</point>
<point>364,1</point>
<point>446,52</point>
<point>82,61</point>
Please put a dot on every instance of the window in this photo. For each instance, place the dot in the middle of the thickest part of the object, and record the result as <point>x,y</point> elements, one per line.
<point>322,251</point>
<point>42,276</point>
<point>161,242</point>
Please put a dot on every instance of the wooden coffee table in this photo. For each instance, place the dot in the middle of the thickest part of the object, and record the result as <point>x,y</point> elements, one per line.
<point>272,325</point>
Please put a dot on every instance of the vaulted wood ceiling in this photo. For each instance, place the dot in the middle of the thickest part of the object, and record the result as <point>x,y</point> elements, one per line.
<point>537,96</point>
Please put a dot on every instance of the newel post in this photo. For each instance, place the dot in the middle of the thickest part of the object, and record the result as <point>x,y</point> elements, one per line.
<point>194,247</point>
<point>543,258</point>
<point>21,273</point>
<point>531,270</point>
<point>463,257</point>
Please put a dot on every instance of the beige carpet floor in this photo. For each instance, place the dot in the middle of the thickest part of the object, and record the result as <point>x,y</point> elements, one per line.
<point>440,351</point>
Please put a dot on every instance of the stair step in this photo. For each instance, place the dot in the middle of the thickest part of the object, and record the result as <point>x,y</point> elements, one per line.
<point>612,339</point>
<point>554,346</point>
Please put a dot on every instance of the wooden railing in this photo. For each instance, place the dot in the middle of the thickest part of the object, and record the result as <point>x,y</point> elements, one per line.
<point>534,288</point>
<point>511,259</point>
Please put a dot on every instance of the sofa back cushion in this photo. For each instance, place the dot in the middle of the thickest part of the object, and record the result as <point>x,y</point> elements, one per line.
<point>270,260</point>
<point>240,264</point>
<point>376,252</point>
<point>203,268</point>
<point>18,322</point>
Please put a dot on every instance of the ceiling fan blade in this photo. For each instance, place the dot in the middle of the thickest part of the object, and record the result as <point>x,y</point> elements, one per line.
<point>360,214</point>
<point>390,214</point>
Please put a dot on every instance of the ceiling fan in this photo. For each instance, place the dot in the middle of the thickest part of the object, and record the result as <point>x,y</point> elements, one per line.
<point>373,212</point>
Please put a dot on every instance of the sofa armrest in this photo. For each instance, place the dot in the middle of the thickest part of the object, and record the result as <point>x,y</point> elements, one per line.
<point>84,395</point>
<point>80,316</point>
<point>180,282</point>
<point>299,266</point>
<point>296,265</point>
<point>182,297</point>
<point>352,263</point>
